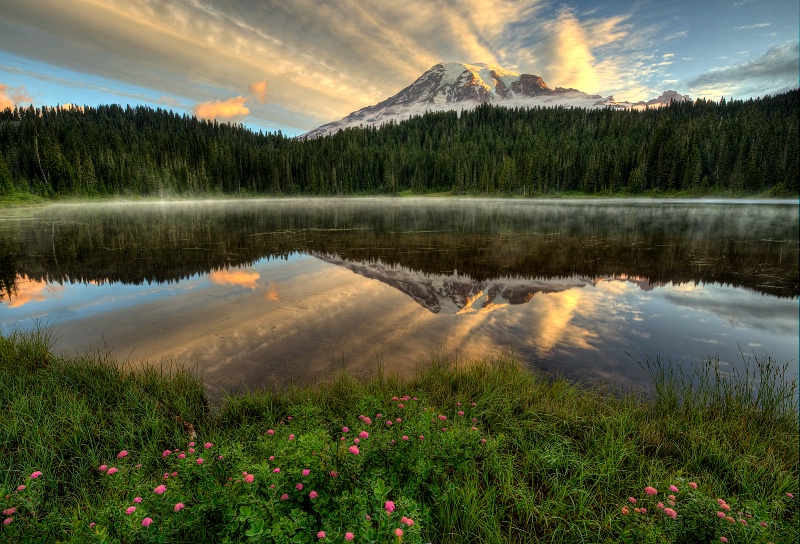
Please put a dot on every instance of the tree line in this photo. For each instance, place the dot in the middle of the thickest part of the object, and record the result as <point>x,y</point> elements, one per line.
<point>744,147</point>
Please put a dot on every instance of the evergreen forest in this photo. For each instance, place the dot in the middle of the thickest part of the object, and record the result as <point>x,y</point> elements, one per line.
<point>702,147</point>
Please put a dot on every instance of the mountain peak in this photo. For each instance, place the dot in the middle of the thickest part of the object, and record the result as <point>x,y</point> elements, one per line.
<point>459,86</point>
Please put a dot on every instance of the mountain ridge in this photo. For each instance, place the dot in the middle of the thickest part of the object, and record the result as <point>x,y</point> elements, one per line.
<point>459,86</point>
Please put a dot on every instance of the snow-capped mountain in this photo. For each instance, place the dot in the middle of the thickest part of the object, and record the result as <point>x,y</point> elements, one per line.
<point>459,86</point>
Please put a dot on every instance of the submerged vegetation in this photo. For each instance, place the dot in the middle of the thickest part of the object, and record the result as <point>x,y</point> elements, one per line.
<point>481,451</point>
<point>726,147</point>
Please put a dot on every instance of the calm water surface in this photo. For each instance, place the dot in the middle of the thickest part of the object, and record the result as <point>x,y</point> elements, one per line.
<point>263,292</point>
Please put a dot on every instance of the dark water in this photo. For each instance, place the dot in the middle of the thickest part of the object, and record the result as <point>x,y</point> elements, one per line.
<point>259,292</point>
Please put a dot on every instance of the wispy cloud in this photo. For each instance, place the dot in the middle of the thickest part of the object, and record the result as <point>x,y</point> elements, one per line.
<point>774,71</point>
<point>677,36</point>
<point>259,91</point>
<point>751,27</point>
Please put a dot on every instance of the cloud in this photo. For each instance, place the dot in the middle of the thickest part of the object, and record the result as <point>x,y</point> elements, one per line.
<point>28,290</point>
<point>775,69</point>
<point>677,36</point>
<point>13,96</point>
<point>259,91</point>
<point>233,109</point>
<point>237,277</point>
<point>750,27</point>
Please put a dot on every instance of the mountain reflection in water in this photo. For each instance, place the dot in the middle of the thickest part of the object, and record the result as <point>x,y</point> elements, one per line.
<point>259,291</point>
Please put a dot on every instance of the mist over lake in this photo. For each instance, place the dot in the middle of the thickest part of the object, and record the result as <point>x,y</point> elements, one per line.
<point>259,292</point>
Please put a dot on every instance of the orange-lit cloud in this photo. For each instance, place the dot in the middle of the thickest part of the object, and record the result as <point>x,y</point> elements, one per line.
<point>259,91</point>
<point>225,110</point>
<point>235,277</point>
<point>271,292</point>
<point>29,290</point>
<point>13,96</point>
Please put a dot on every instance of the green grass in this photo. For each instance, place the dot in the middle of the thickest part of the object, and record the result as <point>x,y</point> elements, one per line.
<point>558,462</point>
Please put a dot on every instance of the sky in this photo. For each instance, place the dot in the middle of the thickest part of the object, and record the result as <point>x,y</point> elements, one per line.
<point>295,65</point>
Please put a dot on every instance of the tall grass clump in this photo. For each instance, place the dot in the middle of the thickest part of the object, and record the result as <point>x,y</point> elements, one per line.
<point>479,451</point>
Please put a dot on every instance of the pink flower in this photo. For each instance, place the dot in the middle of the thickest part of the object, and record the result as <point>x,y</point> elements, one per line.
<point>460,413</point>
<point>147,521</point>
<point>723,539</point>
<point>207,445</point>
<point>179,507</point>
<point>220,457</point>
<point>103,468</point>
<point>306,472</point>
<point>790,495</point>
<point>400,406</point>
<point>421,437</point>
<point>271,431</point>
<point>166,453</point>
<point>398,532</point>
<point>313,495</point>
<point>367,517</point>
<point>291,437</point>
<point>763,523</point>
<point>276,470</point>
<point>130,510</point>
<point>123,453</point>
<point>356,441</point>
<point>160,490</point>
<point>137,500</point>
<point>474,405</point>
<point>334,474</point>
<point>368,421</point>
<point>349,536</point>
<point>113,470</point>
<point>625,511</point>
<point>671,497</point>
<point>249,478</point>
<point>321,535</point>
<point>299,487</point>
<point>345,430</point>
<point>10,511</point>
<point>483,441</point>
<point>199,460</point>
<point>285,497</point>
<point>650,490</point>
<point>407,521</point>
<point>36,475</point>
<point>670,512</point>
<point>353,450</point>
<point>363,434</point>
<point>271,457</point>
<point>404,437</point>
<point>92,524</point>
<point>720,514</point>
<point>660,505</point>
<point>139,465</point>
<point>388,423</point>
<point>181,455</point>
<point>191,450</point>
<point>191,444</point>
<point>398,420</point>
<point>673,489</point>
<point>632,500</point>
<point>389,506</point>
<point>20,488</point>
<point>474,429</point>
<point>290,418</point>
<point>443,418</point>
<point>8,521</point>
<point>693,485</point>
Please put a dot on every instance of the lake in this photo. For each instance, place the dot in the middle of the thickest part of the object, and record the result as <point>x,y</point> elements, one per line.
<point>265,292</point>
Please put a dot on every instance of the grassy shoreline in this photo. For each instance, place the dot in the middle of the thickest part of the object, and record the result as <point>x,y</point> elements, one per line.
<point>506,455</point>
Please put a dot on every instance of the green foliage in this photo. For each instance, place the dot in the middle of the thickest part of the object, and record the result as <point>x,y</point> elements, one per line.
<point>733,147</point>
<point>494,453</point>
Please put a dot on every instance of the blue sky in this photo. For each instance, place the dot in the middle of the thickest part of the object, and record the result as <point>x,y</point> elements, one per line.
<point>275,64</point>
